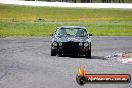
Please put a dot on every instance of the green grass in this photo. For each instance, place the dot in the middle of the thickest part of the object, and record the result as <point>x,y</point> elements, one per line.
<point>42,21</point>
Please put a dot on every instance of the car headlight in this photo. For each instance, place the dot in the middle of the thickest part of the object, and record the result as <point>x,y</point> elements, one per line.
<point>54,43</point>
<point>60,43</point>
<point>85,44</point>
<point>80,44</point>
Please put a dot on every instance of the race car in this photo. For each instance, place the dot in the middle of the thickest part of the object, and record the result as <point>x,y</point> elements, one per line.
<point>73,40</point>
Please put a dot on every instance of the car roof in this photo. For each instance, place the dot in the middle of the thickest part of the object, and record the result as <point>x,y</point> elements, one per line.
<point>78,27</point>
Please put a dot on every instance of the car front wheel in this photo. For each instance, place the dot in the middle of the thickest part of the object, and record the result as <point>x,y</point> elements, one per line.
<point>88,55</point>
<point>53,52</point>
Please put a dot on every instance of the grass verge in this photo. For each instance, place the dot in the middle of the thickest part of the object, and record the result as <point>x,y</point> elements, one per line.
<point>42,21</point>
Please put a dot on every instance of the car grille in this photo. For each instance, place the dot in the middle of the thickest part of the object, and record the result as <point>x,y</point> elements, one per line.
<point>70,46</point>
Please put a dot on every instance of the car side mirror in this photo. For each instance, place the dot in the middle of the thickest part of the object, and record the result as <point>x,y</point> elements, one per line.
<point>51,34</point>
<point>90,34</point>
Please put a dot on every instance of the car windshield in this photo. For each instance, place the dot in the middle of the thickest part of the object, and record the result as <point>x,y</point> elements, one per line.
<point>78,32</point>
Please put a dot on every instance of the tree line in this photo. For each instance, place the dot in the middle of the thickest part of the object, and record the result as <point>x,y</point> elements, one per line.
<point>89,1</point>
<point>105,1</point>
<point>110,1</point>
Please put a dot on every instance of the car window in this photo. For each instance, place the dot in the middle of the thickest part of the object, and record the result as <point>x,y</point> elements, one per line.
<point>61,32</point>
<point>71,32</point>
<point>81,33</point>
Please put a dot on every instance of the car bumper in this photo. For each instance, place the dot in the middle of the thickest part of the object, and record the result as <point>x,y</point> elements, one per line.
<point>80,50</point>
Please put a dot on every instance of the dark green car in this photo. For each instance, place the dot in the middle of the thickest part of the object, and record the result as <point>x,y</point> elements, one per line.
<point>73,40</point>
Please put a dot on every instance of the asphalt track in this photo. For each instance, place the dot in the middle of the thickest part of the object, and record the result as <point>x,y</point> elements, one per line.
<point>26,63</point>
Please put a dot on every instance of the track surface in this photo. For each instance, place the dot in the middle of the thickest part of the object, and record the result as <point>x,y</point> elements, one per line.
<point>26,63</point>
